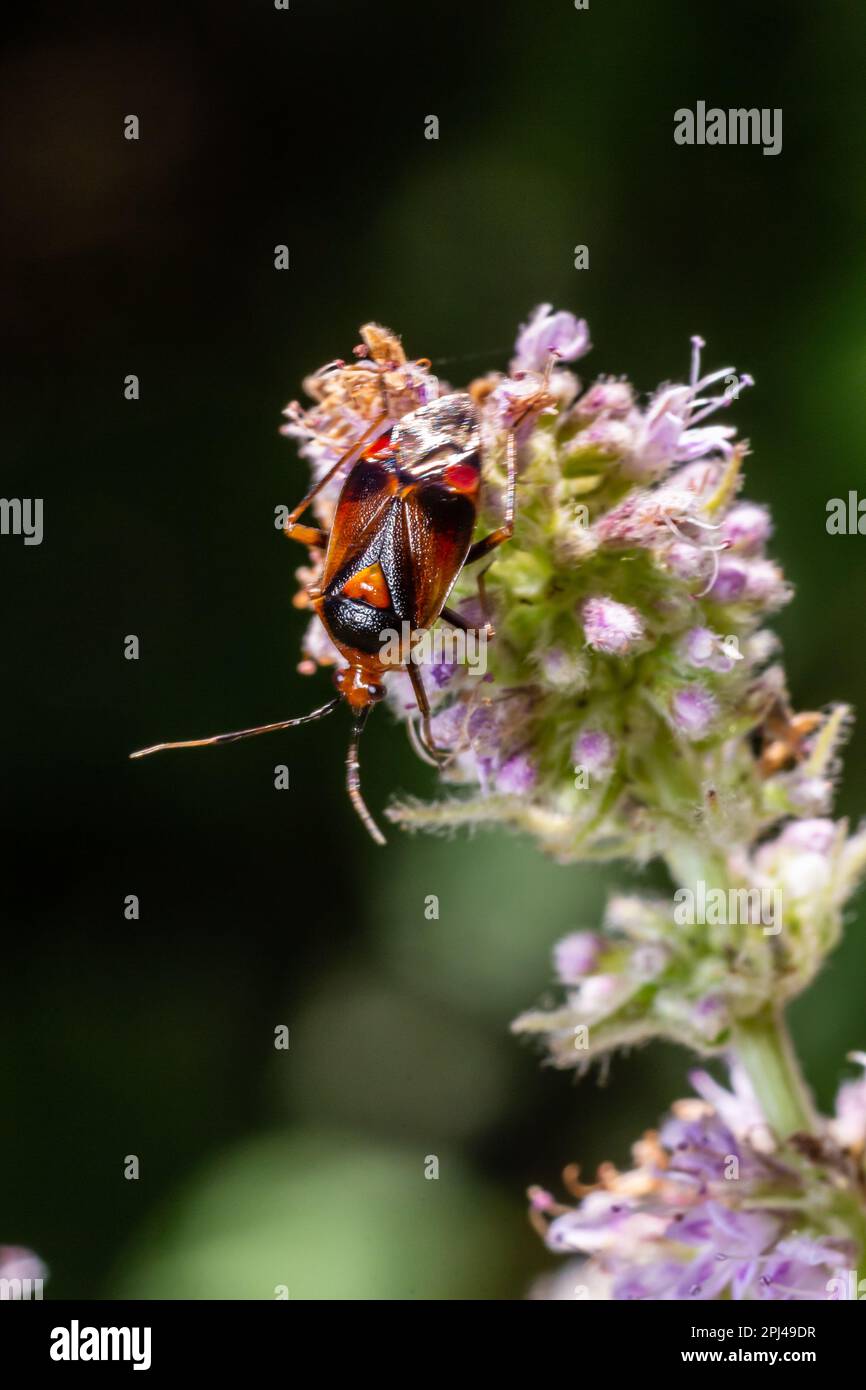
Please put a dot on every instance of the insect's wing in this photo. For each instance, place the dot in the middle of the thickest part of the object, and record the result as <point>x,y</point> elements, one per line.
<point>444,431</point>
<point>405,518</point>
<point>367,494</point>
<point>437,525</point>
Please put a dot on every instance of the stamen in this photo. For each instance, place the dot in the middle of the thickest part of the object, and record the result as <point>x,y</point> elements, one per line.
<point>714,551</point>
<point>697,344</point>
<point>709,408</point>
<point>704,406</point>
<point>672,526</point>
<point>718,375</point>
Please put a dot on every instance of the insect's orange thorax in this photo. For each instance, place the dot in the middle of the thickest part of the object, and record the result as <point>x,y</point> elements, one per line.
<point>360,684</point>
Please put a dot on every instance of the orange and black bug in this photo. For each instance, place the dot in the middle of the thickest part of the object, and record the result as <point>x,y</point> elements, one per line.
<point>402,533</point>
<point>782,736</point>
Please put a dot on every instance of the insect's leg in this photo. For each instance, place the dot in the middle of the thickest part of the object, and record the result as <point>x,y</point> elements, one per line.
<point>241,733</point>
<point>419,748</point>
<point>295,532</point>
<point>438,754</point>
<point>485,602</point>
<point>506,530</point>
<point>456,620</point>
<point>462,624</point>
<point>307,535</point>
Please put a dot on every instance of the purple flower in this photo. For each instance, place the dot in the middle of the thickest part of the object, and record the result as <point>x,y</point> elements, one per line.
<point>576,956</point>
<point>810,795</point>
<point>703,648</point>
<point>710,1016</point>
<point>849,1125</point>
<point>610,438</point>
<point>658,434</point>
<point>598,995</point>
<point>483,728</point>
<point>800,859</point>
<point>597,1223</point>
<point>685,561</point>
<point>441,672</point>
<point>610,398</point>
<point>548,332</point>
<point>811,836</point>
<point>706,1213</point>
<point>730,582</point>
<point>594,750</point>
<point>694,710</point>
<point>733,1232</point>
<point>541,1200</point>
<point>24,1268</point>
<point>318,647</point>
<point>697,444</point>
<point>564,670</point>
<point>699,646</point>
<point>765,584</point>
<point>514,401</point>
<point>517,775</point>
<point>736,1108</point>
<point>611,627</point>
<point>800,1268</point>
<point>649,960</point>
<point>746,527</point>
<point>448,725</point>
<point>667,432</point>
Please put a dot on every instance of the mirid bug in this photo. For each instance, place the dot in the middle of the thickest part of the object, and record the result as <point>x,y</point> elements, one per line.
<point>782,736</point>
<point>401,535</point>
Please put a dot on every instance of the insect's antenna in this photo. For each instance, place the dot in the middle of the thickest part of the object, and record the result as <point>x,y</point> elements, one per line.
<point>353,781</point>
<point>241,733</point>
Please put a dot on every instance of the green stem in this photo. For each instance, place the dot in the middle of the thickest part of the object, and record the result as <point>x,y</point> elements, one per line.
<point>764,1048</point>
<point>761,1042</point>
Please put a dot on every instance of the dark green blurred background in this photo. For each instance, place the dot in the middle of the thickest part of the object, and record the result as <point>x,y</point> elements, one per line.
<point>305,1168</point>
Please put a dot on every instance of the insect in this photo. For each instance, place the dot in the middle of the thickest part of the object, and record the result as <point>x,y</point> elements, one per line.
<point>782,735</point>
<point>401,535</point>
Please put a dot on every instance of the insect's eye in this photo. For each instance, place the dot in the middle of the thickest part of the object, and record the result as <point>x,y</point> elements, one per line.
<point>376,692</point>
<point>380,447</point>
<point>462,476</point>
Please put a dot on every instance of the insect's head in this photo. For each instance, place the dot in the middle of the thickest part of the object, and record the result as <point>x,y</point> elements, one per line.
<point>359,687</point>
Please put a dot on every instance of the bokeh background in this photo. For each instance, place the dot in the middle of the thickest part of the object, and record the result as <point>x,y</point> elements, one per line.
<point>258,908</point>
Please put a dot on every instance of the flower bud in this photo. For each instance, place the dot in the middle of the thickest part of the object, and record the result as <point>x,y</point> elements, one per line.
<point>595,750</point>
<point>576,956</point>
<point>611,627</point>
<point>694,711</point>
<point>746,527</point>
